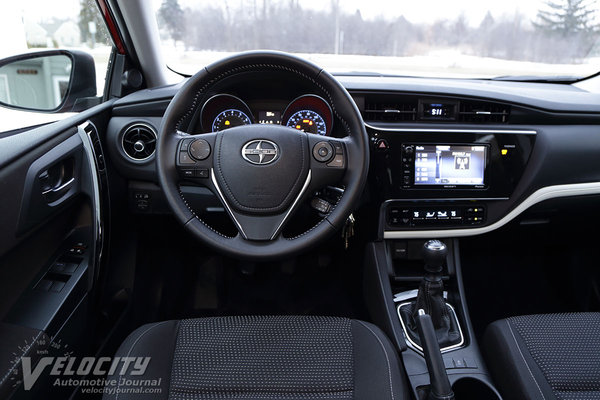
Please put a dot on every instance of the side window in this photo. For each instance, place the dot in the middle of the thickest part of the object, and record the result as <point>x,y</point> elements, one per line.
<point>54,62</point>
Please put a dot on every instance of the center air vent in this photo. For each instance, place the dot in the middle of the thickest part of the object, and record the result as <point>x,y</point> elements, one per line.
<point>390,111</point>
<point>482,112</point>
<point>139,141</point>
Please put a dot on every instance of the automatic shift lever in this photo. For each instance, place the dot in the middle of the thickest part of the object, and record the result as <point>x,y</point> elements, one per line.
<point>430,298</point>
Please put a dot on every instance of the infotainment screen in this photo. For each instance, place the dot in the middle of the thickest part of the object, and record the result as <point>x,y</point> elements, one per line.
<point>450,165</point>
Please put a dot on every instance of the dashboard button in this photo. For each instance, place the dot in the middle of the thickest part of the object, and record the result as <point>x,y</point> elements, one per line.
<point>382,144</point>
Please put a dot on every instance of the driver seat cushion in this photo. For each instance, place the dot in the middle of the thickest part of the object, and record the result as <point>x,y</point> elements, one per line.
<point>546,356</point>
<point>265,357</point>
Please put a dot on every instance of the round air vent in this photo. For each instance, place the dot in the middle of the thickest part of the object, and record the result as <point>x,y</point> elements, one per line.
<point>139,141</point>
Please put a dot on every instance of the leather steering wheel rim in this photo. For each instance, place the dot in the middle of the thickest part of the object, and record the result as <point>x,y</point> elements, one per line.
<point>182,107</point>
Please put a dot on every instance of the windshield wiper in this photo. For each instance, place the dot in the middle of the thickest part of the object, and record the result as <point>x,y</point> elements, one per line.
<point>538,79</point>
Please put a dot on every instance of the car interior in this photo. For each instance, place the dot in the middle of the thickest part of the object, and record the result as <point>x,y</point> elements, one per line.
<point>265,229</point>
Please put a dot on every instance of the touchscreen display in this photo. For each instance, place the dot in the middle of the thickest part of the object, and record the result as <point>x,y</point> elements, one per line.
<point>449,165</point>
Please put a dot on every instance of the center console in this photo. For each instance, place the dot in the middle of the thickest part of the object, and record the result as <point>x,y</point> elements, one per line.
<point>437,183</point>
<point>399,289</point>
<point>439,179</point>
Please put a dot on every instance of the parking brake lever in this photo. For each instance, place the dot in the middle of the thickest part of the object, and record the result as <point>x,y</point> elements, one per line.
<point>440,388</point>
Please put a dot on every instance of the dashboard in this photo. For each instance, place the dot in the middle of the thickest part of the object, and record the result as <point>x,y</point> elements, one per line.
<point>448,157</point>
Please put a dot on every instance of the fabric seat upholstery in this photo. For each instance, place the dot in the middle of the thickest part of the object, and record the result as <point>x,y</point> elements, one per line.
<point>265,357</point>
<point>546,356</point>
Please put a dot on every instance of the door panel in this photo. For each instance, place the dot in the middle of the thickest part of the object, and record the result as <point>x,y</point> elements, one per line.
<point>51,219</point>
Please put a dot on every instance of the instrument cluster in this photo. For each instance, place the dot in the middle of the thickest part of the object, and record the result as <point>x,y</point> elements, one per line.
<point>308,113</point>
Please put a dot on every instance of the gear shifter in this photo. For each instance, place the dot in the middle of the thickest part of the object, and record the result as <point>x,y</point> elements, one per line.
<point>431,299</point>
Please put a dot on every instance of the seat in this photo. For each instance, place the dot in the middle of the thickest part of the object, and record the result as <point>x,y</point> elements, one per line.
<point>263,357</point>
<point>546,356</point>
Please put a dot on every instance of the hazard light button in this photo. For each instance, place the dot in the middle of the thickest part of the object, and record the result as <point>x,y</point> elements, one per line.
<point>382,144</point>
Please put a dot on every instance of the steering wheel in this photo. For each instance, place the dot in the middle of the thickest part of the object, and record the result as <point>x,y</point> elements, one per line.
<point>261,173</point>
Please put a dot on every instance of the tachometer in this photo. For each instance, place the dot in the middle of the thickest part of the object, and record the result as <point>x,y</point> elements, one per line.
<point>309,113</point>
<point>230,118</point>
<point>308,121</point>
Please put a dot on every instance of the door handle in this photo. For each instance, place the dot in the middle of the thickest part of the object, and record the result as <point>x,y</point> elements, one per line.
<point>61,188</point>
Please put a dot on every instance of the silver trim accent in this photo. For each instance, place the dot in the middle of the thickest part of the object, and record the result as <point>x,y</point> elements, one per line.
<point>411,294</point>
<point>446,199</point>
<point>545,193</point>
<point>289,211</point>
<point>142,124</point>
<point>59,188</point>
<point>285,217</point>
<point>453,130</point>
<point>213,179</point>
<point>418,348</point>
<point>88,146</point>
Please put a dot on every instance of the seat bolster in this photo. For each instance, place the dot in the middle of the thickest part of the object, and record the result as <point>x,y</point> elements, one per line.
<point>157,341</point>
<point>514,371</point>
<point>377,368</point>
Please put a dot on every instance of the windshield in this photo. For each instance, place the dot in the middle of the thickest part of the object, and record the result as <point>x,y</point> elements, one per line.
<point>553,39</point>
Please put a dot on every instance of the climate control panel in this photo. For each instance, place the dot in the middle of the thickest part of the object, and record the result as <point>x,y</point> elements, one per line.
<point>402,216</point>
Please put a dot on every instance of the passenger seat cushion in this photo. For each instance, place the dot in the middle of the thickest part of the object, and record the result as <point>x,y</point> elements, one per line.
<point>546,356</point>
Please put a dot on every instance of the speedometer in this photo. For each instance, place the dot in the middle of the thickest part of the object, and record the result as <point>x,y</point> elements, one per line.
<point>230,118</point>
<point>308,121</point>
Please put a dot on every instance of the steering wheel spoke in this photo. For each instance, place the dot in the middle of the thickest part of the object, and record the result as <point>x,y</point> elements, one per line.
<point>259,227</point>
<point>194,157</point>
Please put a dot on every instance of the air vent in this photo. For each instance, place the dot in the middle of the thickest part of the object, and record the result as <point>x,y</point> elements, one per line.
<point>139,141</point>
<point>483,112</point>
<point>394,111</point>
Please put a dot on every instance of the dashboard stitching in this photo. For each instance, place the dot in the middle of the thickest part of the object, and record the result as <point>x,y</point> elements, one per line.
<point>290,193</point>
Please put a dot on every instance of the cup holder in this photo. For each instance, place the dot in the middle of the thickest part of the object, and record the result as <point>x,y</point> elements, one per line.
<point>474,389</point>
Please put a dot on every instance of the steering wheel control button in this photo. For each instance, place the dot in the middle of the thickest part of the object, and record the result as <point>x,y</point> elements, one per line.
<point>187,172</point>
<point>320,205</point>
<point>202,173</point>
<point>199,149</point>
<point>185,144</point>
<point>339,147</point>
<point>184,158</point>
<point>323,151</point>
<point>337,162</point>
